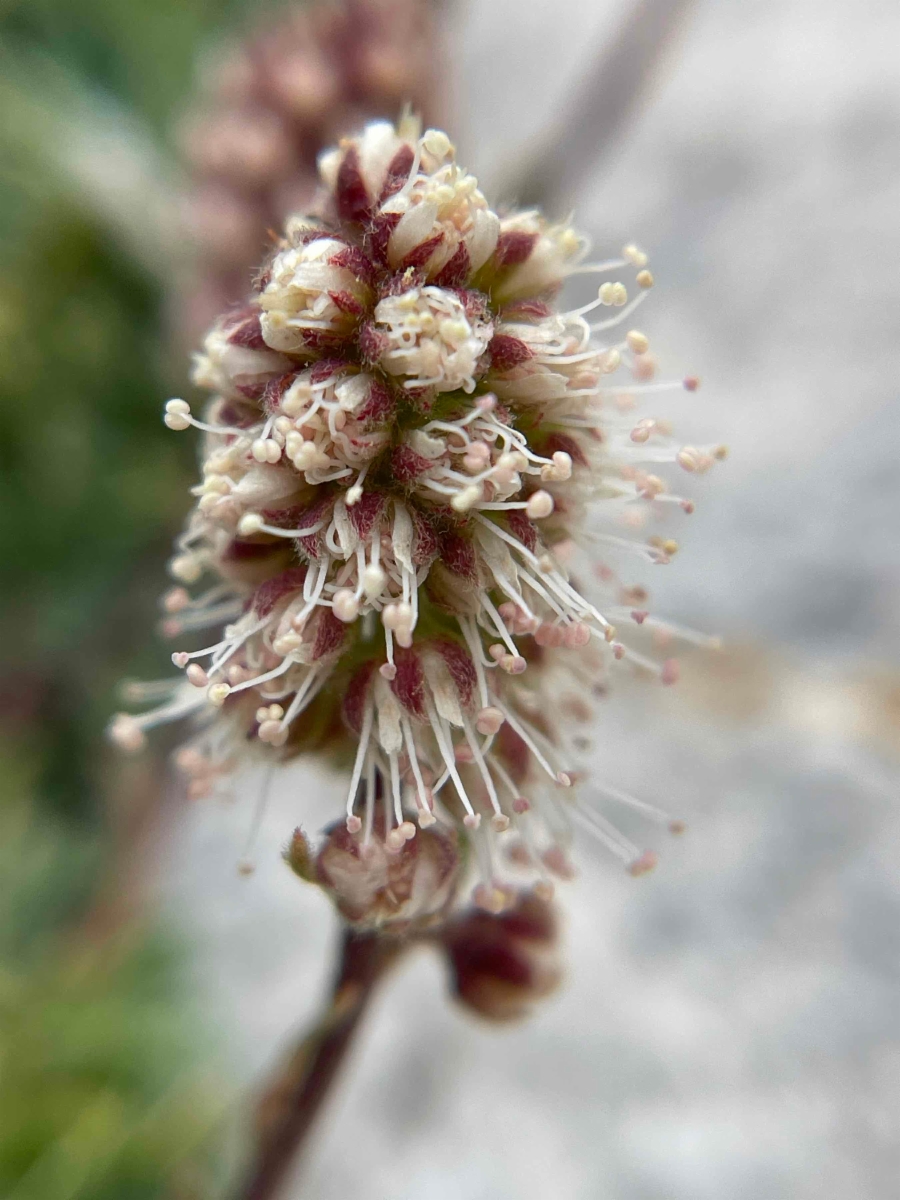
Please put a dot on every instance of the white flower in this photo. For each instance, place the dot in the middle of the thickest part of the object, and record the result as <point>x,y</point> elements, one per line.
<point>431,340</point>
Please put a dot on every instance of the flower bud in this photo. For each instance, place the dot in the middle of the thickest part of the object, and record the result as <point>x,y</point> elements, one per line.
<point>502,963</point>
<point>407,878</point>
<point>312,293</point>
<point>429,338</point>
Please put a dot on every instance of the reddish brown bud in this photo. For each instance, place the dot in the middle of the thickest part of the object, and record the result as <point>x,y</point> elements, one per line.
<point>503,963</point>
<point>380,406</point>
<point>462,670</point>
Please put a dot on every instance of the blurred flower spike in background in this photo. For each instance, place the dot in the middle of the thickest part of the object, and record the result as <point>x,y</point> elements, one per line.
<point>419,469</point>
<point>268,105</point>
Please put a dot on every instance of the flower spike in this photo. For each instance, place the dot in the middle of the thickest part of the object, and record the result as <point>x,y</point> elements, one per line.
<point>411,456</point>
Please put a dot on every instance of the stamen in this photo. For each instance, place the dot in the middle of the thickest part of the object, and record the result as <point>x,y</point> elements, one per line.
<point>312,685</point>
<point>246,865</point>
<point>514,663</point>
<point>623,315</point>
<point>499,820</point>
<point>251,523</point>
<point>648,810</point>
<point>607,833</point>
<point>370,800</point>
<point>608,293</point>
<point>178,417</point>
<point>426,817</point>
<point>354,493</point>
<point>256,682</point>
<point>202,619</point>
<point>476,651</point>
<point>472,820</point>
<point>527,736</point>
<point>138,691</point>
<point>127,730</point>
<point>612,264</point>
<point>397,838</point>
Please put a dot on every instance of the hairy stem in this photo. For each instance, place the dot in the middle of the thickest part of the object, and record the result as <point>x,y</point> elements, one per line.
<point>292,1100</point>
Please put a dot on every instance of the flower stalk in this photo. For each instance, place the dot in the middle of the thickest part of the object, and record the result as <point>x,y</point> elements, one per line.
<point>294,1098</point>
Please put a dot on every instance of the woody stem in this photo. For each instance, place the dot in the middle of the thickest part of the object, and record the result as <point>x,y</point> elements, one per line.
<point>291,1102</point>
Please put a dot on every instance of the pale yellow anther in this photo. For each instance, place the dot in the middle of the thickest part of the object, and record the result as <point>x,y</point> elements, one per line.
<point>186,568</point>
<point>395,840</point>
<point>178,414</point>
<point>296,399</point>
<point>466,499</point>
<point>653,486</point>
<point>249,524</point>
<point>345,605</point>
<point>266,450</point>
<point>489,720</point>
<point>614,294</point>
<point>374,581</point>
<point>127,734</point>
<point>287,643</point>
<point>539,505</point>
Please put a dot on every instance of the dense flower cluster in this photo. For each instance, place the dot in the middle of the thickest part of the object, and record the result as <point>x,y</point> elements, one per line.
<point>411,457</point>
<point>268,103</point>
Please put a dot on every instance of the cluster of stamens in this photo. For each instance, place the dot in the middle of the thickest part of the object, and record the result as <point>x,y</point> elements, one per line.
<point>411,459</point>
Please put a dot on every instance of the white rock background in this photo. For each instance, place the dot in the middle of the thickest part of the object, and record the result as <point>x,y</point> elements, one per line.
<point>730,1027</point>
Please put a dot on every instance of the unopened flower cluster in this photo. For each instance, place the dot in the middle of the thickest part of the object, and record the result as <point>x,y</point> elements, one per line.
<point>412,458</point>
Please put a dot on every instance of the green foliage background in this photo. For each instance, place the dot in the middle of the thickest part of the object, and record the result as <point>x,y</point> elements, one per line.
<point>92,486</point>
<point>103,1089</point>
